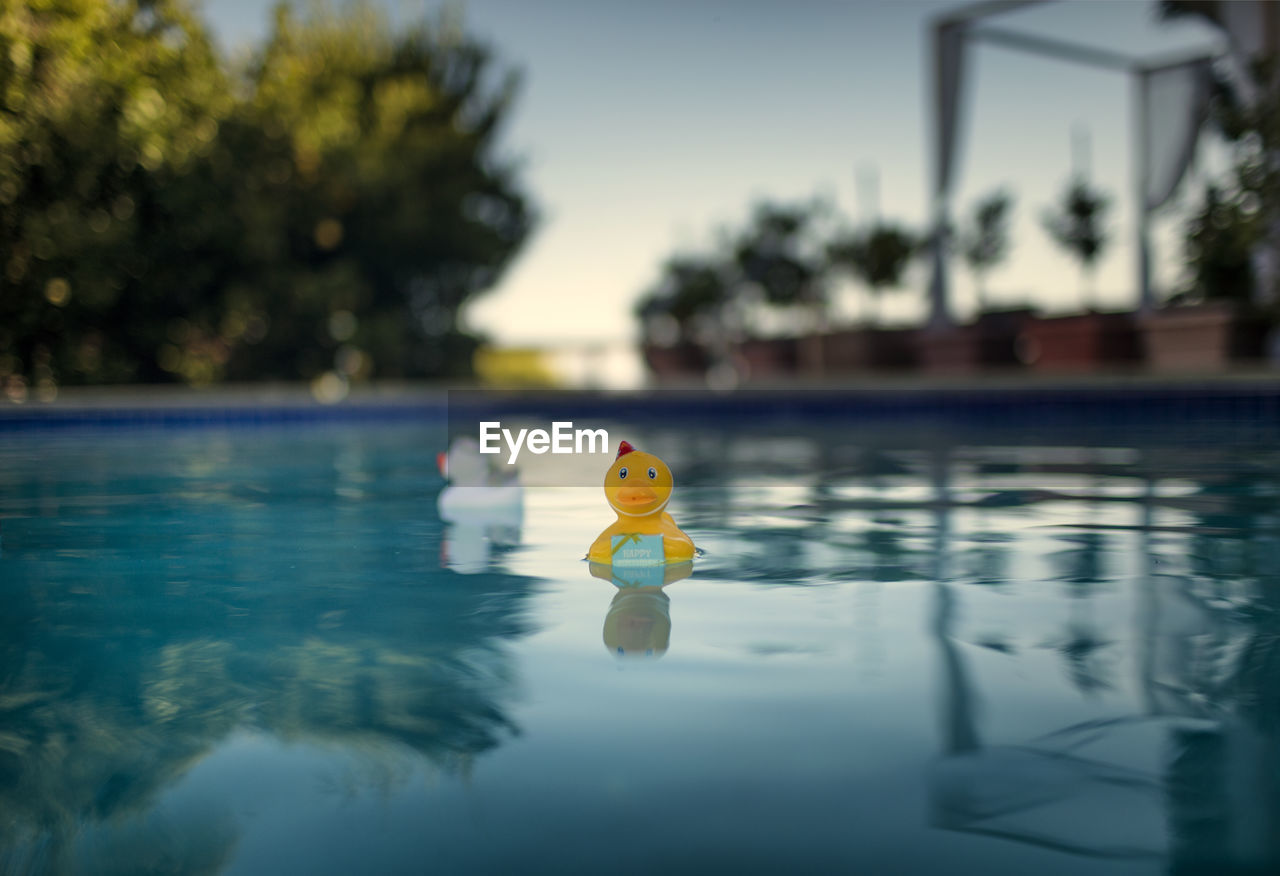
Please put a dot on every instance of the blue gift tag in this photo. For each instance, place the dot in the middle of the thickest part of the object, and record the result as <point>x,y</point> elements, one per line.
<point>634,549</point>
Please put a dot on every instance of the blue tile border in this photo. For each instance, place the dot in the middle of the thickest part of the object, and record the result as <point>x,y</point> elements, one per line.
<point>1119,406</point>
<point>60,418</point>
<point>1127,404</point>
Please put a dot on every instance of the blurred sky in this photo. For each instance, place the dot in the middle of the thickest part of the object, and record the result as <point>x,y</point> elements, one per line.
<point>645,127</point>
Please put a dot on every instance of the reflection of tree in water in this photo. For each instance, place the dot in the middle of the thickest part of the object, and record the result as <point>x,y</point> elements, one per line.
<point>197,843</point>
<point>1082,647</point>
<point>1216,638</point>
<point>986,561</point>
<point>1223,779</point>
<point>112,688</point>
<point>891,557</point>
<point>1232,553</point>
<point>774,555</point>
<point>1080,566</point>
<point>1226,576</point>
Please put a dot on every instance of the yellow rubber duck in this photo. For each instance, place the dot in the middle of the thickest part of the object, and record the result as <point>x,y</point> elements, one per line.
<point>638,487</point>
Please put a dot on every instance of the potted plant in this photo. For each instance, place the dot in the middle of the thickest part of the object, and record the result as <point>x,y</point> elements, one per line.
<point>1212,323</point>
<point>775,258</point>
<point>1226,311</point>
<point>1087,341</point>
<point>984,245</point>
<point>678,317</point>
<point>1245,109</point>
<point>990,340</point>
<point>877,256</point>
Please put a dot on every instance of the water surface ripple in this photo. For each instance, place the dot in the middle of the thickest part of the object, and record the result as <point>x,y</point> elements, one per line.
<point>260,650</point>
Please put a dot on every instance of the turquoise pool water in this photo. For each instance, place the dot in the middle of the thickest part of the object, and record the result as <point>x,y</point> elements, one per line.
<point>259,650</point>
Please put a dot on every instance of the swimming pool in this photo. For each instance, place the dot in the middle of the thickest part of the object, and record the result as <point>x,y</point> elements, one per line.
<point>913,643</point>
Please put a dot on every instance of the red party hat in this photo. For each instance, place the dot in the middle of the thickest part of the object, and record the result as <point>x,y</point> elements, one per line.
<point>623,449</point>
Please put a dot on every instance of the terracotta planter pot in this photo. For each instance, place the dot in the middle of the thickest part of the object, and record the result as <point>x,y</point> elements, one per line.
<point>990,342</point>
<point>1087,342</point>
<point>998,332</point>
<point>855,350</point>
<point>951,350</point>
<point>894,349</point>
<point>767,357</point>
<point>1203,337</point>
<point>680,361</point>
<point>846,352</point>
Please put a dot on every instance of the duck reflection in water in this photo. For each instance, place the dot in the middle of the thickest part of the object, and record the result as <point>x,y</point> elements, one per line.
<point>638,623</point>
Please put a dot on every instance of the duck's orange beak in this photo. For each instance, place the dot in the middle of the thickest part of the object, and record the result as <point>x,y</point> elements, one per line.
<point>633,497</point>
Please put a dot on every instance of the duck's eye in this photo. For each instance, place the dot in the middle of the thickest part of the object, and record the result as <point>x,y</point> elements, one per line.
<point>653,473</point>
<point>622,473</point>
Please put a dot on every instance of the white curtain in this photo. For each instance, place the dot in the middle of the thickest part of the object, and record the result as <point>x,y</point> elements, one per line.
<point>1177,103</point>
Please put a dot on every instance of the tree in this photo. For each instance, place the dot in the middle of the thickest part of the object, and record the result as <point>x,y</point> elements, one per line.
<point>378,205</point>
<point>985,242</point>
<point>776,254</point>
<point>1219,242</point>
<point>1076,224</point>
<point>692,294</point>
<point>779,254</point>
<point>1245,108</point>
<point>105,102</point>
<point>878,256</point>
<point>330,207</point>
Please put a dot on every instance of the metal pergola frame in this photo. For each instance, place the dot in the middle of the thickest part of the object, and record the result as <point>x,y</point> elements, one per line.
<point>966,21</point>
